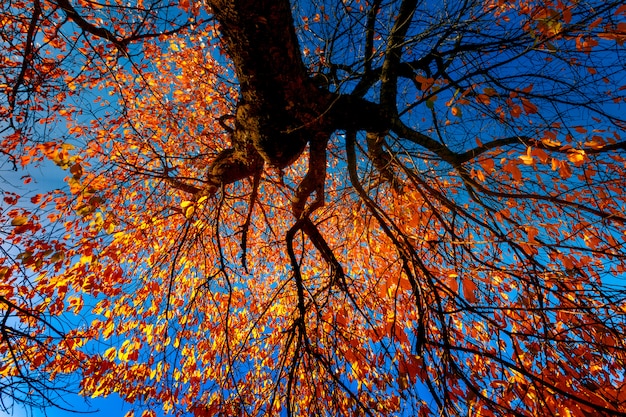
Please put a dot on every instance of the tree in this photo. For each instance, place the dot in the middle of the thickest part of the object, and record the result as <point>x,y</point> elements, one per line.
<point>317,207</point>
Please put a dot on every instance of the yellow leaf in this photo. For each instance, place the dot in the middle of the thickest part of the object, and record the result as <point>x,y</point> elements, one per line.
<point>108,329</point>
<point>19,221</point>
<point>98,392</point>
<point>527,159</point>
<point>595,144</point>
<point>576,155</point>
<point>4,272</point>
<point>550,142</point>
<point>124,351</point>
<point>85,259</point>
<point>75,304</point>
<point>110,353</point>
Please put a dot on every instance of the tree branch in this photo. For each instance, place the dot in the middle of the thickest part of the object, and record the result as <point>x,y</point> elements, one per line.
<point>389,76</point>
<point>100,32</point>
<point>28,52</point>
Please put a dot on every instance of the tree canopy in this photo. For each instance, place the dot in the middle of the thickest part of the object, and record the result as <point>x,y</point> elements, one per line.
<point>315,207</point>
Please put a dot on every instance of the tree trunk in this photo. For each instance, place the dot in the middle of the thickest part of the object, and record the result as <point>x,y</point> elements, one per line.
<point>280,109</point>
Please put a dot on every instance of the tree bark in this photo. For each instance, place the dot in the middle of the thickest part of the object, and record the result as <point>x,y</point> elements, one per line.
<point>280,109</point>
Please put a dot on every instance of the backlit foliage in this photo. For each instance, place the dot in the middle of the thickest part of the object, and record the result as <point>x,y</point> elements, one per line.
<point>468,258</point>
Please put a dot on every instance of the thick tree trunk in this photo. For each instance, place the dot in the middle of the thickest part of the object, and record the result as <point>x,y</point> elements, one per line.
<point>280,109</point>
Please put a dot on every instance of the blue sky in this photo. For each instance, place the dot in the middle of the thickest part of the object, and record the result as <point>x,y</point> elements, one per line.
<point>97,407</point>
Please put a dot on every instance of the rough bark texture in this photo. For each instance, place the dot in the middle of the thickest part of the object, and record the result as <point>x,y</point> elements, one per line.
<point>280,108</point>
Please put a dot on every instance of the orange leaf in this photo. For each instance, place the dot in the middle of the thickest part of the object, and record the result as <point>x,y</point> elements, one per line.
<point>577,156</point>
<point>516,111</point>
<point>19,221</point>
<point>529,108</point>
<point>487,164</point>
<point>469,290</point>
<point>483,99</point>
<point>511,168</point>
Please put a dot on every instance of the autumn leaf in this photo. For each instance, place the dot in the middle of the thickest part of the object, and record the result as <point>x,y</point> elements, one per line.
<point>527,158</point>
<point>529,108</point>
<point>469,290</point>
<point>483,99</point>
<point>19,221</point>
<point>576,156</point>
